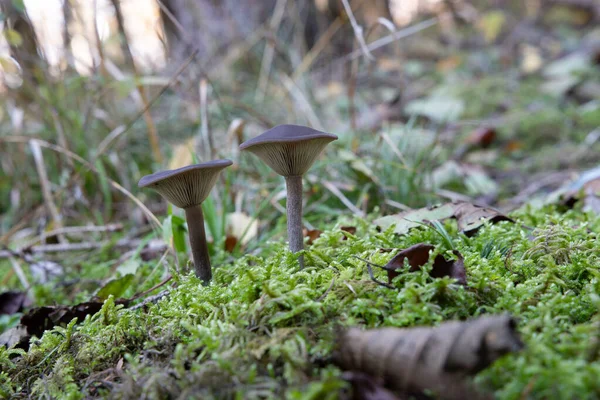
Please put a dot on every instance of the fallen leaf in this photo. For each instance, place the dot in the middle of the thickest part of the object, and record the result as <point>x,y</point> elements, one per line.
<point>407,220</point>
<point>474,177</point>
<point>469,217</point>
<point>311,234</point>
<point>586,188</point>
<point>350,229</point>
<point>15,337</point>
<point>437,359</point>
<point>230,243</point>
<point>482,137</point>
<point>242,227</point>
<point>40,319</point>
<point>418,255</point>
<point>13,302</point>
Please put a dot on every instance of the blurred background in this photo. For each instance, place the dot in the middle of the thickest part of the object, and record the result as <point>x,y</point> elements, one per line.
<point>433,100</point>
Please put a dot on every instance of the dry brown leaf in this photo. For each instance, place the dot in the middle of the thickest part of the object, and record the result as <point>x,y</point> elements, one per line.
<point>418,256</point>
<point>471,217</point>
<point>437,359</point>
<point>13,302</point>
<point>311,234</point>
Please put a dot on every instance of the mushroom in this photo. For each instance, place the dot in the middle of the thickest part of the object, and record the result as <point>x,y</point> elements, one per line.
<point>290,150</point>
<point>187,188</point>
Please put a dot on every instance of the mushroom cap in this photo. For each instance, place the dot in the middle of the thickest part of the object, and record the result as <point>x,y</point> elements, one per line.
<point>187,186</point>
<point>289,150</point>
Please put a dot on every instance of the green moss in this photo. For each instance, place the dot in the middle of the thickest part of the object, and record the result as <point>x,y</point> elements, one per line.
<point>265,328</point>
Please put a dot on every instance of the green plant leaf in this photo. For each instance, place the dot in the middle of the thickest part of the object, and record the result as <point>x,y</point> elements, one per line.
<point>116,287</point>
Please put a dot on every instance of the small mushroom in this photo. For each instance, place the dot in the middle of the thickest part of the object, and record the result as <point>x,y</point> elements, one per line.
<point>187,188</point>
<point>290,150</point>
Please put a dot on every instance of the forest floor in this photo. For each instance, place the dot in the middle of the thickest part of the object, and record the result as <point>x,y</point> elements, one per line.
<point>102,302</point>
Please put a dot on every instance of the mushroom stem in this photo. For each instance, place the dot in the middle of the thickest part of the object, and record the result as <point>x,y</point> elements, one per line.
<point>294,215</point>
<point>195,221</point>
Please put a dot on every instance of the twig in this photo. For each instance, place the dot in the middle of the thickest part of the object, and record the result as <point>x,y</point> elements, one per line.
<point>267,60</point>
<point>337,193</point>
<point>327,291</point>
<point>153,288</point>
<point>70,230</point>
<point>369,264</point>
<point>384,41</point>
<point>66,247</point>
<point>358,31</point>
<point>151,299</point>
<point>19,271</point>
<point>45,184</point>
<point>397,205</point>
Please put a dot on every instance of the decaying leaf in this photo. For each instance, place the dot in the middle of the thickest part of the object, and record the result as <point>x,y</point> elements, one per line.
<point>474,177</point>
<point>41,319</point>
<point>311,234</point>
<point>407,220</point>
<point>242,227</point>
<point>350,229</point>
<point>13,302</point>
<point>586,189</point>
<point>470,217</point>
<point>436,359</point>
<point>15,337</point>
<point>482,137</point>
<point>418,255</point>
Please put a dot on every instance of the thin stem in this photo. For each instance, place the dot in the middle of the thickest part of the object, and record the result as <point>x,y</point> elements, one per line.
<point>195,221</point>
<point>294,215</point>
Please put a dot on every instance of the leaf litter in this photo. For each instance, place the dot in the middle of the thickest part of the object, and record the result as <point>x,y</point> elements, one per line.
<point>411,361</point>
<point>470,217</point>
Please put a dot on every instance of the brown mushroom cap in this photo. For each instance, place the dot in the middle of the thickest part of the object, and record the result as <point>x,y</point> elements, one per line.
<point>187,186</point>
<point>289,150</point>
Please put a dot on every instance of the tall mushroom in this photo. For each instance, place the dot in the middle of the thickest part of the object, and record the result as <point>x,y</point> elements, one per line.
<point>290,150</point>
<point>187,188</point>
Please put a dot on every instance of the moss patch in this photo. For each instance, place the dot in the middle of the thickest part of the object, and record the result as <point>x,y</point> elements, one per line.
<point>265,329</point>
